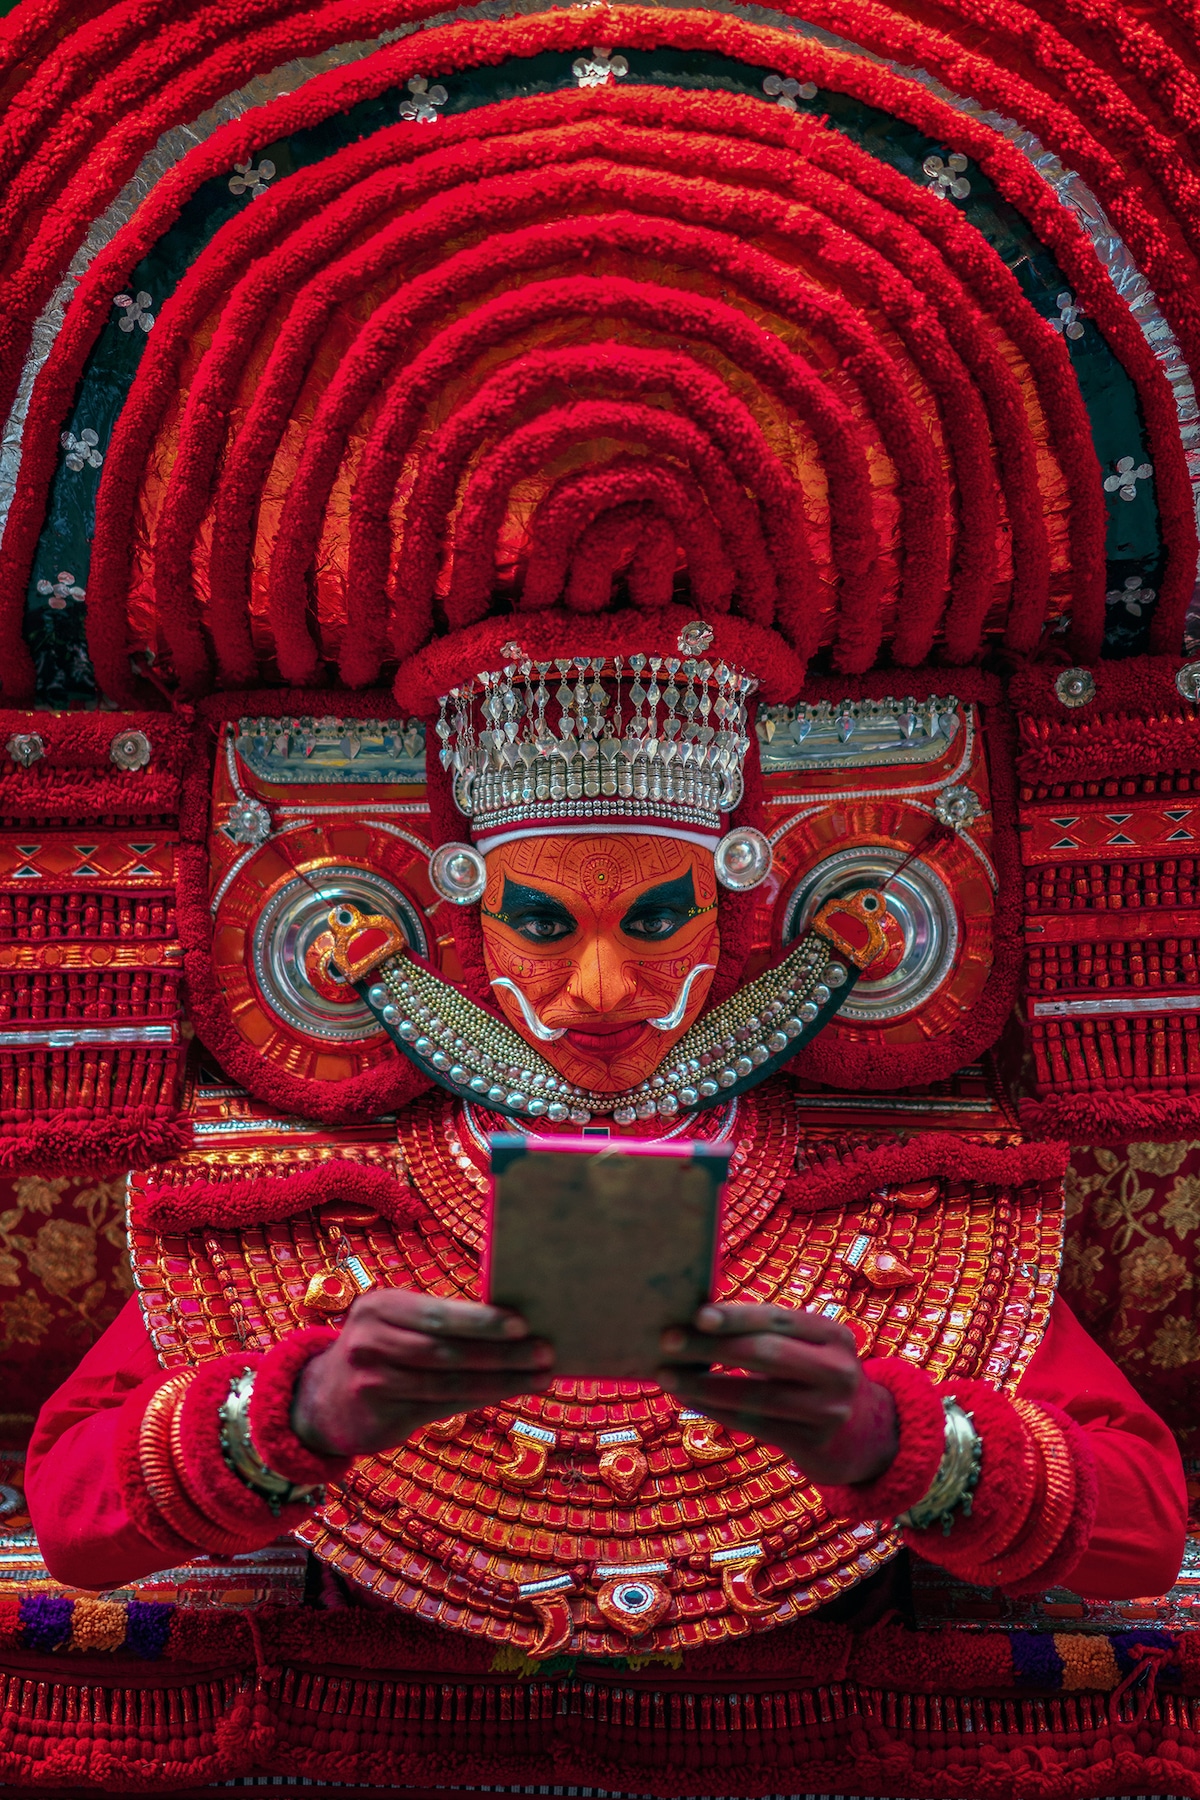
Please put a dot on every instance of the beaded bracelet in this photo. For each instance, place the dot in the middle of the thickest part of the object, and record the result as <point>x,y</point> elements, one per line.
<point>957,1474</point>
<point>243,1460</point>
<point>160,1467</point>
<point>1050,1516</point>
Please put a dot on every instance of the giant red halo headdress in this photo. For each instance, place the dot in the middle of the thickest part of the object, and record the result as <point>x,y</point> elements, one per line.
<point>325,350</point>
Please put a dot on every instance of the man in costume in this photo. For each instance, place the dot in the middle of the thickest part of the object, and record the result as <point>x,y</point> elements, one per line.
<point>420,1442</point>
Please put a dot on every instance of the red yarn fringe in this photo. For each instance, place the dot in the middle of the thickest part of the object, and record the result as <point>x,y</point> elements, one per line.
<point>932,1154</point>
<point>261,1198</point>
<point>1111,1119</point>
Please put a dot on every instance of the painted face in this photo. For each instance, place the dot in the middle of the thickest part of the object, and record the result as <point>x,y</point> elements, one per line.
<point>600,935</point>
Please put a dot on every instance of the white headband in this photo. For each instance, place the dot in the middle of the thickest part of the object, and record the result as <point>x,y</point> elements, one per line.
<point>598,828</point>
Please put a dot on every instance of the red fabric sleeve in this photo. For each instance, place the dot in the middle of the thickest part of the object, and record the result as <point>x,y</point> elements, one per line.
<point>921,1424</point>
<point>212,1485</point>
<point>1099,1504</point>
<point>85,1530</point>
<point>1138,1533</point>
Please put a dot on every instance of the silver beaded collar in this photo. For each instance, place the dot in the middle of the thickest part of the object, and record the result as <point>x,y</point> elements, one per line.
<point>730,1049</point>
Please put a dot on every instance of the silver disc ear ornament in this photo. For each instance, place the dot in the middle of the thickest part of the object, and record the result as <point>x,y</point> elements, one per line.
<point>458,873</point>
<point>742,859</point>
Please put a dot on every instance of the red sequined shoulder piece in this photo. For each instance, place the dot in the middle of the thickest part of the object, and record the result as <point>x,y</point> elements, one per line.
<point>601,1517</point>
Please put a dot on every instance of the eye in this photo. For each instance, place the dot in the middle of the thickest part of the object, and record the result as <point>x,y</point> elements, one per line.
<point>543,928</point>
<point>653,925</point>
<point>537,917</point>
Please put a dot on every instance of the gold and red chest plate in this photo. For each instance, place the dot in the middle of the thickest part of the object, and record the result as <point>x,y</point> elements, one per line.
<point>600,1516</point>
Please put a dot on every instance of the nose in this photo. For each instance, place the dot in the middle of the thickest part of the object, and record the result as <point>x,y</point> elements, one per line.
<point>601,979</point>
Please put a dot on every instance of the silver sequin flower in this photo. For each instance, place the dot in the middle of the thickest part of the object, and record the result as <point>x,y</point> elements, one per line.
<point>250,180</point>
<point>946,179</point>
<point>60,591</point>
<point>1069,314</point>
<point>785,91</point>
<point>138,310</point>
<point>130,750</point>
<point>598,69</point>
<point>248,822</point>
<point>26,748</point>
<point>957,807</point>
<point>1132,596</point>
<point>1128,474</point>
<point>1075,687</point>
<point>694,638</point>
<point>425,101</point>
<point>82,451</point>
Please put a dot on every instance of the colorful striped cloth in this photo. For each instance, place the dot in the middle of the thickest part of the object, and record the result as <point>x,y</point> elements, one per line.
<point>1037,1661</point>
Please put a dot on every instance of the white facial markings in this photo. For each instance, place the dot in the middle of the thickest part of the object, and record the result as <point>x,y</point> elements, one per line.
<point>674,1019</point>
<point>544,1033</point>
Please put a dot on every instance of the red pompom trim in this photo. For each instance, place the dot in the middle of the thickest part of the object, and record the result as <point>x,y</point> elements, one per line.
<point>274,1193</point>
<point>71,138</point>
<point>832,1179</point>
<point>1097,1119</point>
<point>447,662</point>
<point>271,1410</point>
<point>210,1482</point>
<point>1008,1483</point>
<point>922,1427</point>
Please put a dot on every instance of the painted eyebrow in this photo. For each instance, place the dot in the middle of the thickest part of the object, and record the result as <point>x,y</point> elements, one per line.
<point>520,899</point>
<point>669,896</point>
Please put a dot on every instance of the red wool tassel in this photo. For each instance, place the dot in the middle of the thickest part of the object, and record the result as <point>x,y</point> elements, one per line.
<point>920,1422</point>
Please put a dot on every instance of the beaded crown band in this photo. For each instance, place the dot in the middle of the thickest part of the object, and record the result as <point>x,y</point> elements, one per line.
<point>647,739</point>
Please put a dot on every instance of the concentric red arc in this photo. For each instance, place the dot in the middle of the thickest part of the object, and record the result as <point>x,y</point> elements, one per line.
<point>835,411</point>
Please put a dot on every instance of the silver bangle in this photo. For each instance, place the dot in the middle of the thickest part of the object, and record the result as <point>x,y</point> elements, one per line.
<point>957,1475</point>
<point>237,1447</point>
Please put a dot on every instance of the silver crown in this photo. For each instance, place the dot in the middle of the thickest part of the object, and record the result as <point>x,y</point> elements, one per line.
<point>597,738</point>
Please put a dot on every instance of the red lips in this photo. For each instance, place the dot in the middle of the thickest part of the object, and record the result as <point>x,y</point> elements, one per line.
<point>607,1040</point>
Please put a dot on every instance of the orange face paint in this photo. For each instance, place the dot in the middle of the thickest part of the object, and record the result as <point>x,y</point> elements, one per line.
<point>600,933</point>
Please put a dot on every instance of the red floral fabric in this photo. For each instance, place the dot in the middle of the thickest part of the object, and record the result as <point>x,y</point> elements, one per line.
<point>64,1277</point>
<point>1130,1269</point>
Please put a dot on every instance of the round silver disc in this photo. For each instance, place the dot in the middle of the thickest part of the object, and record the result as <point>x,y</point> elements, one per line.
<point>293,919</point>
<point>918,900</point>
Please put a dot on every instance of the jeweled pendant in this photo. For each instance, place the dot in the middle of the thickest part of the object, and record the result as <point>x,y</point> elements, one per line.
<point>527,1464</point>
<point>884,1269</point>
<point>554,1615</point>
<point>330,1292</point>
<point>737,1584</point>
<point>623,1469</point>
<point>700,1440</point>
<point>446,1428</point>
<point>634,1604</point>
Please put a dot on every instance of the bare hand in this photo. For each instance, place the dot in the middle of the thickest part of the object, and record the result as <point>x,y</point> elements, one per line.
<point>403,1360</point>
<point>805,1391</point>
